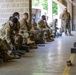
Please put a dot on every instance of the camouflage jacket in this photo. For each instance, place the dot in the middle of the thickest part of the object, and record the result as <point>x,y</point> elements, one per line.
<point>17,27</point>
<point>65,16</point>
<point>24,25</point>
<point>8,32</point>
<point>43,24</point>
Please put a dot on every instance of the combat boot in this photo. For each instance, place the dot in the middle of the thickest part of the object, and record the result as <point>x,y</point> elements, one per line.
<point>33,46</point>
<point>21,53</point>
<point>50,39</point>
<point>43,42</point>
<point>30,41</point>
<point>7,57</point>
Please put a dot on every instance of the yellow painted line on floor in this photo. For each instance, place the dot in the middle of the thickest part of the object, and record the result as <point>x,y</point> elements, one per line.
<point>67,69</point>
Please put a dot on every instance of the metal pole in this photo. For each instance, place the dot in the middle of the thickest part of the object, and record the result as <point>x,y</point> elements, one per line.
<point>30,10</point>
<point>72,18</point>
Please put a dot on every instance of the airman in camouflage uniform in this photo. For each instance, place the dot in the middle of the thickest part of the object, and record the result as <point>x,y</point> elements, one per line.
<point>65,19</point>
<point>18,37</point>
<point>25,28</point>
<point>44,26</point>
<point>8,31</point>
<point>53,26</point>
<point>17,26</point>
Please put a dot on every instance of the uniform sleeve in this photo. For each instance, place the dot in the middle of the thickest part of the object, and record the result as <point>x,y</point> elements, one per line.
<point>35,24</point>
<point>28,26</point>
<point>21,24</point>
<point>47,25</point>
<point>69,16</point>
<point>22,28</point>
<point>62,16</point>
<point>40,24</point>
<point>8,33</point>
<point>18,27</point>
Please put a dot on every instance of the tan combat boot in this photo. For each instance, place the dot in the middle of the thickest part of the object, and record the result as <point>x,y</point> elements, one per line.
<point>30,41</point>
<point>43,42</point>
<point>33,46</point>
<point>49,39</point>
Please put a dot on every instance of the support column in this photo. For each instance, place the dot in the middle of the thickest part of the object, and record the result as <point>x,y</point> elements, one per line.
<point>70,9</point>
<point>50,13</point>
<point>30,10</point>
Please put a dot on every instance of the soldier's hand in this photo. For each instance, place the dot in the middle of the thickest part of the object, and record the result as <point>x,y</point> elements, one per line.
<point>12,47</point>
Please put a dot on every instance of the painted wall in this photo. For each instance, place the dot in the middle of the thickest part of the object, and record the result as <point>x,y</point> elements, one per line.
<point>7,7</point>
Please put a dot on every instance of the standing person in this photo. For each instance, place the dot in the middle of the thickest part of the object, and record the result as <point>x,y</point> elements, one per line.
<point>65,20</point>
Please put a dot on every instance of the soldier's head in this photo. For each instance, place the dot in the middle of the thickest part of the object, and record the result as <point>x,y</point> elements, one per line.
<point>16,15</point>
<point>25,16</point>
<point>65,10</point>
<point>13,21</point>
<point>43,17</point>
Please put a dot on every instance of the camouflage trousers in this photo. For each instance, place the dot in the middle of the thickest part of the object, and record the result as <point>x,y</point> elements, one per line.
<point>3,48</point>
<point>66,26</point>
<point>45,33</point>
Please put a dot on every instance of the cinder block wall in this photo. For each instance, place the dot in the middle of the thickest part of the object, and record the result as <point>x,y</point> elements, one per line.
<point>7,7</point>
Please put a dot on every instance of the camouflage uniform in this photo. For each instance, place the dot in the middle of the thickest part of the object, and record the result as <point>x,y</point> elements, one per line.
<point>25,28</point>
<point>3,47</point>
<point>17,27</point>
<point>18,38</point>
<point>54,27</point>
<point>34,29</point>
<point>65,20</point>
<point>26,33</point>
<point>4,51</point>
<point>44,27</point>
<point>8,33</point>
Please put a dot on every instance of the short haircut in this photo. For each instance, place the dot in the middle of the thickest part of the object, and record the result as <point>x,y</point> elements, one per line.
<point>43,16</point>
<point>15,14</point>
<point>25,14</point>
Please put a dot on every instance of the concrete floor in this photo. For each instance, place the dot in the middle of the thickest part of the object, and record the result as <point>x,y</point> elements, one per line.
<point>47,60</point>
